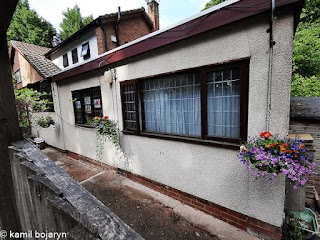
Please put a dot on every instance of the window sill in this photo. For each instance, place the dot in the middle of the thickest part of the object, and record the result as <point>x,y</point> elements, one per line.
<point>84,126</point>
<point>186,139</point>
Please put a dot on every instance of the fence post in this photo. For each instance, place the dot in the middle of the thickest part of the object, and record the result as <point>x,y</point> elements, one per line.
<point>9,127</point>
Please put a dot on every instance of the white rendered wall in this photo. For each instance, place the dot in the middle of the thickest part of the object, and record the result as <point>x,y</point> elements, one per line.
<point>57,58</point>
<point>212,173</point>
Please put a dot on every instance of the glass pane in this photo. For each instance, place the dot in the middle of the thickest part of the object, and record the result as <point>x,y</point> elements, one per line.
<point>175,105</point>
<point>224,103</point>
<point>129,107</point>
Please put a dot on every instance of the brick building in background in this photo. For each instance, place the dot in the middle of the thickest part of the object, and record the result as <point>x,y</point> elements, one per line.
<point>104,34</point>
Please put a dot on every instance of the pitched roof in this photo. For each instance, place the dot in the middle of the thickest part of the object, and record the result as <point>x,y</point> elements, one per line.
<point>35,56</point>
<point>215,17</point>
<point>96,22</point>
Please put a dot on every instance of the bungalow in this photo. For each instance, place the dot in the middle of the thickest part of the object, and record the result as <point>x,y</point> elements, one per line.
<point>183,99</point>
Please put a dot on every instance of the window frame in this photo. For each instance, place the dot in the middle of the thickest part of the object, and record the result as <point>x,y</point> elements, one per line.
<point>243,64</point>
<point>65,60</point>
<point>87,54</point>
<point>74,56</point>
<point>17,76</point>
<point>81,94</point>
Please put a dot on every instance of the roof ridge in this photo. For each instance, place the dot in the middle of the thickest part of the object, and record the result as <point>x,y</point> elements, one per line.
<point>126,11</point>
<point>30,44</point>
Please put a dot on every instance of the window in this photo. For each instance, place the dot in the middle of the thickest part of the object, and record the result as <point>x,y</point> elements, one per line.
<point>65,60</point>
<point>85,52</point>
<point>17,76</point>
<point>74,54</point>
<point>172,104</point>
<point>208,103</point>
<point>87,104</point>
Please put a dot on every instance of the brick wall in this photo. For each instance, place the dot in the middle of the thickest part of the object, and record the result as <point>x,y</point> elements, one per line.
<point>241,221</point>
<point>129,30</point>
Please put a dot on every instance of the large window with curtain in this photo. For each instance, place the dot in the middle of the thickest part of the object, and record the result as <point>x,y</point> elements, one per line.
<point>207,103</point>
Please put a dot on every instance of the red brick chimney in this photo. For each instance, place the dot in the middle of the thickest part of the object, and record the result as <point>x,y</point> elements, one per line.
<point>153,12</point>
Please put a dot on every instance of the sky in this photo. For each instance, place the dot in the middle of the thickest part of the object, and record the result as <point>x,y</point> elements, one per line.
<point>171,11</point>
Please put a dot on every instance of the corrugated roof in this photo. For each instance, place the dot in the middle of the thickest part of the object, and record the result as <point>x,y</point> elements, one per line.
<point>305,108</point>
<point>35,56</point>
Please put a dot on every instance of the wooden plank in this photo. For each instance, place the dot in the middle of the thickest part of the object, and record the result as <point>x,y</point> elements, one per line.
<point>73,199</point>
<point>9,128</point>
<point>302,136</point>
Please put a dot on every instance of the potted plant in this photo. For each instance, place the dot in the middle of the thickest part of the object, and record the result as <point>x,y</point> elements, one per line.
<point>45,122</point>
<point>269,156</point>
<point>106,129</point>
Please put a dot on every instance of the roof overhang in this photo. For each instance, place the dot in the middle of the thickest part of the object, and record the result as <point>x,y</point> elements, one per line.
<point>212,18</point>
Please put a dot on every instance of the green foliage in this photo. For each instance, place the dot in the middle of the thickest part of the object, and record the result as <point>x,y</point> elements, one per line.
<point>27,26</point>
<point>311,12</point>
<point>106,129</point>
<point>72,22</point>
<point>306,45</point>
<point>212,3</point>
<point>45,121</point>
<point>293,231</point>
<point>28,101</point>
<point>306,52</point>
<point>305,86</point>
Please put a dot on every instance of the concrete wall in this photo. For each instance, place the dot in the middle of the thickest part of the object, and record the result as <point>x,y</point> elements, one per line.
<point>212,173</point>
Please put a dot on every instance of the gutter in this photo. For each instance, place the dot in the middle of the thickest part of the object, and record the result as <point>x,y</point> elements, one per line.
<point>117,27</point>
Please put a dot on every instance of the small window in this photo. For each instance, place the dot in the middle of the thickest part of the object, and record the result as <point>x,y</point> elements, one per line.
<point>87,104</point>
<point>65,60</point>
<point>17,76</point>
<point>85,52</point>
<point>74,54</point>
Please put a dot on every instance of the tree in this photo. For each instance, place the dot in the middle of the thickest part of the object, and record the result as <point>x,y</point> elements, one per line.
<point>27,26</point>
<point>72,22</point>
<point>306,53</point>
<point>29,101</point>
<point>212,3</point>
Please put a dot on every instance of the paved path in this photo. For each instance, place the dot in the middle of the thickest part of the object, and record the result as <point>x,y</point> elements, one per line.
<point>151,214</point>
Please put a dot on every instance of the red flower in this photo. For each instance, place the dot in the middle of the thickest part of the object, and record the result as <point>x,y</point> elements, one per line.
<point>105,117</point>
<point>265,135</point>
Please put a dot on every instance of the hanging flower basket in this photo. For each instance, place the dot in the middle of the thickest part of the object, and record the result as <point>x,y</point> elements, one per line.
<point>106,129</point>
<point>269,156</point>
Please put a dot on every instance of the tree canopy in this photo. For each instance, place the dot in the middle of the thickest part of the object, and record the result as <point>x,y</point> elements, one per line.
<point>212,3</point>
<point>27,26</point>
<point>72,22</point>
<point>306,52</point>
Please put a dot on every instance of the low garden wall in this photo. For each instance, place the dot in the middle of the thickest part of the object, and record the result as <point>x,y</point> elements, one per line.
<point>51,205</point>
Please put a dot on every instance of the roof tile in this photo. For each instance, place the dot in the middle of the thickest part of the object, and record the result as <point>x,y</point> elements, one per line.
<point>35,55</point>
